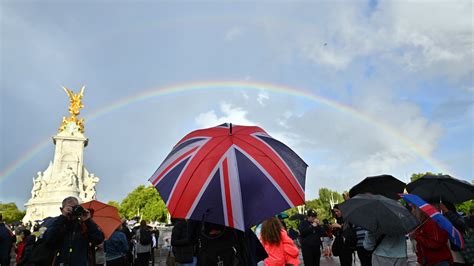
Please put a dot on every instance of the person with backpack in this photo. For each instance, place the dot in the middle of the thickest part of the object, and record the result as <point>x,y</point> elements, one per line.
<point>280,248</point>
<point>144,241</point>
<point>310,238</point>
<point>345,240</point>
<point>182,243</point>
<point>70,237</point>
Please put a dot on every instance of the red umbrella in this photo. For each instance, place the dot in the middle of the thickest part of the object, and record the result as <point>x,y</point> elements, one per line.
<point>235,176</point>
<point>104,215</point>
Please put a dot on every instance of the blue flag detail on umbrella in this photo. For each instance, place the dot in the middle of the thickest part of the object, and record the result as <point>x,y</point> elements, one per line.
<point>434,214</point>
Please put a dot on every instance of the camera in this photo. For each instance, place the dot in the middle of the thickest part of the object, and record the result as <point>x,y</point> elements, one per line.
<point>77,211</point>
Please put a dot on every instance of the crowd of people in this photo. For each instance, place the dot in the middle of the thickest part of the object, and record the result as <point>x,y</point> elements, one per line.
<point>281,246</point>
<point>74,239</point>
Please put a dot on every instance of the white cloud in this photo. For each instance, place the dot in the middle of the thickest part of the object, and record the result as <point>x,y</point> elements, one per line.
<point>262,97</point>
<point>230,114</point>
<point>233,33</point>
<point>429,37</point>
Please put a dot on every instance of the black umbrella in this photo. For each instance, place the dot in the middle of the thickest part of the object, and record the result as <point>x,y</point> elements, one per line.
<point>385,185</point>
<point>378,214</point>
<point>435,188</point>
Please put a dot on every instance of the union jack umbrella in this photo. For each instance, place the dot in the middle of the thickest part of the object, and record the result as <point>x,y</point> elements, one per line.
<point>235,176</point>
<point>434,214</point>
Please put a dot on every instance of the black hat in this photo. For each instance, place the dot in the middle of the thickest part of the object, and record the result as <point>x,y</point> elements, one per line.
<point>311,213</point>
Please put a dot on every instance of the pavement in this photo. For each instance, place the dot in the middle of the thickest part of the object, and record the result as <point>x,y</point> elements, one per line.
<point>160,258</point>
<point>162,253</point>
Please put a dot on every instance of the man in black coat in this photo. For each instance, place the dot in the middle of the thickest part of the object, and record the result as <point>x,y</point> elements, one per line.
<point>182,242</point>
<point>6,241</point>
<point>310,238</point>
<point>73,234</point>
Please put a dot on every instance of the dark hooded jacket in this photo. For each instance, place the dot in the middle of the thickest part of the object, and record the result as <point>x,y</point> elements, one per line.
<point>73,239</point>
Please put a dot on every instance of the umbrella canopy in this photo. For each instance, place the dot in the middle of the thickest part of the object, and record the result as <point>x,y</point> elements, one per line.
<point>378,214</point>
<point>385,185</point>
<point>235,176</point>
<point>435,188</point>
<point>434,214</point>
<point>104,215</point>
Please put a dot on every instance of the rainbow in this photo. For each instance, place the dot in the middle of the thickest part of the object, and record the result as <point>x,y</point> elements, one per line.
<point>241,85</point>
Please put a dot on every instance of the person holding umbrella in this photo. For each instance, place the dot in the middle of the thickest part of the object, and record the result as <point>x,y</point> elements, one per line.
<point>431,242</point>
<point>387,250</point>
<point>310,238</point>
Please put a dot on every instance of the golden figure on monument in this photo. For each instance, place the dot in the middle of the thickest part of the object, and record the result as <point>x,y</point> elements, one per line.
<point>72,123</point>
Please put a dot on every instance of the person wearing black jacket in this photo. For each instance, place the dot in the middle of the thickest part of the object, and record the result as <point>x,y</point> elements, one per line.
<point>346,238</point>
<point>6,241</point>
<point>72,234</point>
<point>310,239</point>
<point>25,257</point>
<point>129,235</point>
<point>181,242</point>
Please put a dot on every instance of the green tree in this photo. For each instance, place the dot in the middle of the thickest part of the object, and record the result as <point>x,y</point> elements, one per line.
<point>11,213</point>
<point>465,207</point>
<point>144,202</point>
<point>114,203</point>
<point>322,206</point>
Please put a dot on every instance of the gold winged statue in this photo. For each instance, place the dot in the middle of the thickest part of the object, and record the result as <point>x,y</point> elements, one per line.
<point>75,106</point>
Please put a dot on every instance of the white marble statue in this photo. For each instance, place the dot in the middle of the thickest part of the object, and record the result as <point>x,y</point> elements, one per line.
<point>89,187</point>
<point>69,177</point>
<point>37,185</point>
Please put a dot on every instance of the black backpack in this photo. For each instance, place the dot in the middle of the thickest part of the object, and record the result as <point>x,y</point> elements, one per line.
<point>350,236</point>
<point>222,249</point>
<point>145,236</point>
<point>42,253</point>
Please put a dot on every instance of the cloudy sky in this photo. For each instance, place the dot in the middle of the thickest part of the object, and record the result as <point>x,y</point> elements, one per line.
<point>357,88</point>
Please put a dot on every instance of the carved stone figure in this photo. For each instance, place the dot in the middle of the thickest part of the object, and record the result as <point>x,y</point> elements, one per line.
<point>37,184</point>
<point>89,186</point>
<point>69,178</point>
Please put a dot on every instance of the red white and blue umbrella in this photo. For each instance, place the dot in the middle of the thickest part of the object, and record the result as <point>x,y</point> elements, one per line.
<point>434,214</point>
<point>235,176</point>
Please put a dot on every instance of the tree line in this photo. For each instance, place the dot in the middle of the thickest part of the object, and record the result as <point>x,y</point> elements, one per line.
<point>146,203</point>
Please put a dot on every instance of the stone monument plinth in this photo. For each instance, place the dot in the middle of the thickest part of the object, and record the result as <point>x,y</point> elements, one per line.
<point>66,175</point>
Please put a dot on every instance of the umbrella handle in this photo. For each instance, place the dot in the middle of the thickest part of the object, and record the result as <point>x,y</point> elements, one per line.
<point>420,225</point>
